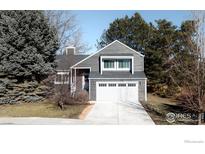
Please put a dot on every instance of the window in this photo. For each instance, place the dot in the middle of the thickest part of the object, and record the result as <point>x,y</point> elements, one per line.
<point>116,64</point>
<point>62,78</point>
<point>102,85</point>
<point>109,64</point>
<point>124,63</point>
<point>131,85</point>
<point>121,85</point>
<point>58,78</point>
<point>112,85</point>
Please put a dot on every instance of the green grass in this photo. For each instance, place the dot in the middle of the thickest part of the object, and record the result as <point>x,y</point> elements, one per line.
<point>158,107</point>
<point>42,109</point>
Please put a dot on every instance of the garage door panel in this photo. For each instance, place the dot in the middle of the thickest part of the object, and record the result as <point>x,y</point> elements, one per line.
<point>117,91</point>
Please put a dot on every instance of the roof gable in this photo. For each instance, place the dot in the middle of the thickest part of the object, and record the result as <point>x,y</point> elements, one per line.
<point>116,43</point>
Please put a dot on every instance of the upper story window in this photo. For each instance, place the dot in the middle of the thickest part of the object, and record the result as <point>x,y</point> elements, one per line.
<point>124,63</point>
<point>116,64</point>
<point>109,64</point>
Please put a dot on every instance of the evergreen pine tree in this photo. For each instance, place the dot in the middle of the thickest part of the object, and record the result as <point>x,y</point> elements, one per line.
<point>27,44</point>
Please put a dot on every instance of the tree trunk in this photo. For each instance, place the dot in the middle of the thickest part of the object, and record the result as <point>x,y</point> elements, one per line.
<point>199,118</point>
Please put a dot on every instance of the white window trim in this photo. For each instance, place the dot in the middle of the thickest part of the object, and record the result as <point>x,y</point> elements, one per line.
<point>62,73</point>
<point>132,65</point>
<point>60,82</point>
<point>116,67</point>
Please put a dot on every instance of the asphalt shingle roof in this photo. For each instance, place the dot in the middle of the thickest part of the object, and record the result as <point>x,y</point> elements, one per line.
<point>64,62</point>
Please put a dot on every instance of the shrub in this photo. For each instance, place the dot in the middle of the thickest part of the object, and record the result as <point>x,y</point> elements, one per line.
<point>81,97</point>
<point>188,100</point>
<point>62,95</point>
<point>163,90</point>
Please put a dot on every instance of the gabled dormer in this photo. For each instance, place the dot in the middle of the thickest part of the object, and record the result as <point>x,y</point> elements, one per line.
<point>114,57</point>
<point>117,62</point>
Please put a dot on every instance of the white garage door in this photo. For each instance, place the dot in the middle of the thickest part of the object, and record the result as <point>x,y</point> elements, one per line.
<point>117,91</point>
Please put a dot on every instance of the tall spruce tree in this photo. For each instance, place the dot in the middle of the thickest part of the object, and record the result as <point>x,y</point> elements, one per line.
<point>28,44</point>
<point>159,54</point>
<point>133,31</point>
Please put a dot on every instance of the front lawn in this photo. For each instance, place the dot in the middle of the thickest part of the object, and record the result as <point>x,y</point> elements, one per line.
<point>158,108</point>
<point>44,109</point>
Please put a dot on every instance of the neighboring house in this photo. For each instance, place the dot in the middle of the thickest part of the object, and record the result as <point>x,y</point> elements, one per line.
<point>114,73</point>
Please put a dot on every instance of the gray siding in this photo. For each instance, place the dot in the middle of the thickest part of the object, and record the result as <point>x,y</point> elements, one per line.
<point>115,48</point>
<point>141,88</point>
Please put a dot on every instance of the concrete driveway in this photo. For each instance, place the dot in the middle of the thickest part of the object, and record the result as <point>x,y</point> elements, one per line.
<point>102,113</point>
<point>119,113</point>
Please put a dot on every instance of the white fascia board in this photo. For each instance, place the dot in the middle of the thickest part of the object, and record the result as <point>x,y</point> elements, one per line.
<point>82,68</point>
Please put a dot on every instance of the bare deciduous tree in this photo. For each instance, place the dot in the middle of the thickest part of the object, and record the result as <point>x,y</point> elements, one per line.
<point>199,17</point>
<point>69,33</point>
<point>192,68</point>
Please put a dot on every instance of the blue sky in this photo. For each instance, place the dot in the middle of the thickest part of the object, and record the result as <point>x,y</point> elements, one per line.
<point>92,23</point>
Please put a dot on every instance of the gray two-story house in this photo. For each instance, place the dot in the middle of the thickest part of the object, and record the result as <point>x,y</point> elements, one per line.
<point>114,73</point>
